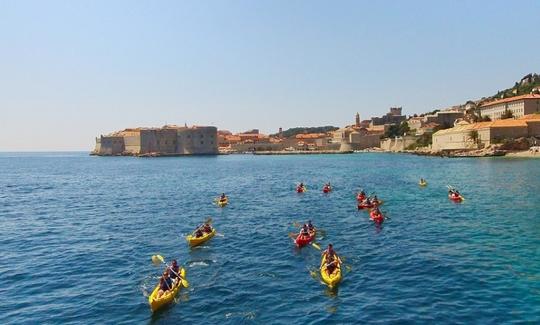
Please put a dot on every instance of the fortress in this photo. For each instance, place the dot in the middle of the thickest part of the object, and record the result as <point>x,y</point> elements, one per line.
<point>170,140</point>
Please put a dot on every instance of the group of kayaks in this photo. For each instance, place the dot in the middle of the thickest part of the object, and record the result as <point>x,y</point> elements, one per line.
<point>371,204</point>
<point>330,270</point>
<point>200,235</point>
<point>302,188</point>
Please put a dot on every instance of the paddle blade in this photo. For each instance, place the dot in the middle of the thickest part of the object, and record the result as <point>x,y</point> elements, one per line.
<point>185,283</point>
<point>315,245</point>
<point>157,259</point>
<point>209,220</point>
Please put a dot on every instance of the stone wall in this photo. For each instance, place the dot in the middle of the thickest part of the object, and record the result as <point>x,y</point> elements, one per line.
<point>397,144</point>
<point>109,145</point>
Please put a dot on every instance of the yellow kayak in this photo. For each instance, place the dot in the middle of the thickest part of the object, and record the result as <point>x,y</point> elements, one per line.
<point>330,279</point>
<point>167,297</point>
<point>223,203</point>
<point>194,241</point>
<point>422,183</point>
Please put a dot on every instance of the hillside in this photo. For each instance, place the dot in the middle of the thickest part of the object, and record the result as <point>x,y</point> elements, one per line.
<point>299,130</point>
<point>524,86</point>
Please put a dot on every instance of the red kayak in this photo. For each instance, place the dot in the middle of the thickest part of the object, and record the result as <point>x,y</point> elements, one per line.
<point>360,198</point>
<point>362,206</point>
<point>300,189</point>
<point>455,197</point>
<point>302,241</point>
<point>376,217</point>
<point>326,189</point>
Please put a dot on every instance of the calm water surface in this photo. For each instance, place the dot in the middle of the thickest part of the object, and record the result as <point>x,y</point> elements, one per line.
<point>77,234</point>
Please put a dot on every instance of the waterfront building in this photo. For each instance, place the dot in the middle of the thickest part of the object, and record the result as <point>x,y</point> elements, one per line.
<point>357,137</point>
<point>392,117</point>
<point>475,135</point>
<point>169,140</point>
<point>518,105</point>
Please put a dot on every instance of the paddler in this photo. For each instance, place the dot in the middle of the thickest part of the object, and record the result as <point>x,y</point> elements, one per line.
<point>222,198</point>
<point>310,226</point>
<point>207,228</point>
<point>331,259</point>
<point>174,271</point>
<point>304,232</point>
<point>165,283</point>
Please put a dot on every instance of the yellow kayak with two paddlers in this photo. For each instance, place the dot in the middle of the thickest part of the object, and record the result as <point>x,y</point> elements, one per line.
<point>335,277</point>
<point>156,303</point>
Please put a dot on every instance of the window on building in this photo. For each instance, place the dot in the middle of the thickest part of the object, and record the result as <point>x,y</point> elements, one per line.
<point>211,142</point>
<point>202,136</point>
<point>202,142</point>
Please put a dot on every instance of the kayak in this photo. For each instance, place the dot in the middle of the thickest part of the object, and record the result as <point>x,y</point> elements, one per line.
<point>377,218</point>
<point>300,189</point>
<point>223,203</point>
<point>302,241</point>
<point>455,198</point>
<point>194,241</point>
<point>326,189</point>
<point>330,279</point>
<point>422,183</point>
<point>360,198</point>
<point>167,297</point>
<point>362,206</point>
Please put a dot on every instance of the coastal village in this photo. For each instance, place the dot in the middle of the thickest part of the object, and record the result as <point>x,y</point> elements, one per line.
<point>506,123</point>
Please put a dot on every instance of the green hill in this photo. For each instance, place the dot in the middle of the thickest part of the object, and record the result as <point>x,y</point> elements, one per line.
<point>300,130</point>
<point>522,87</point>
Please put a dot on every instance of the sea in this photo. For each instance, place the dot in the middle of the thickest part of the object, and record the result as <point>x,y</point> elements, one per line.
<point>77,234</point>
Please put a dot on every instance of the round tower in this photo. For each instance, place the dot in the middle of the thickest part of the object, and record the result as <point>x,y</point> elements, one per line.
<point>357,124</point>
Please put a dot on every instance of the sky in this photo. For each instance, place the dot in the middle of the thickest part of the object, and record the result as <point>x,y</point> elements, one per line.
<point>72,70</point>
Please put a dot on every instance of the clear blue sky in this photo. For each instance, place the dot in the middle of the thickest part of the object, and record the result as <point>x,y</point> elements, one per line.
<point>71,70</point>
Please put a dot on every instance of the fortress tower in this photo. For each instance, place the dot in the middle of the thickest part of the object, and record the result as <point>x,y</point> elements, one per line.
<point>357,124</point>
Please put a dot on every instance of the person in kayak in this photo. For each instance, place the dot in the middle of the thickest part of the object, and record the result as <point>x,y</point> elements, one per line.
<point>207,228</point>
<point>304,232</point>
<point>174,270</point>
<point>375,200</point>
<point>199,232</point>
<point>223,197</point>
<point>165,283</point>
<point>331,259</point>
<point>310,226</point>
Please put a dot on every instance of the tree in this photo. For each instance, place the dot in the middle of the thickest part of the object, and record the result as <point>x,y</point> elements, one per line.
<point>474,137</point>
<point>507,114</point>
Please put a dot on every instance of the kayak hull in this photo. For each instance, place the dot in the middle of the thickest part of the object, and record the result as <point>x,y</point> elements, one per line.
<point>333,279</point>
<point>327,190</point>
<point>302,241</point>
<point>456,199</point>
<point>422,184</point>
<point>377,218</point>
<point>156,303</point>
<point>194,241</point>
<point>222,203</point>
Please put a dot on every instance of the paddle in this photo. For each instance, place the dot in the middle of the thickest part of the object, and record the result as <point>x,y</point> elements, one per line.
<point>158,259</point>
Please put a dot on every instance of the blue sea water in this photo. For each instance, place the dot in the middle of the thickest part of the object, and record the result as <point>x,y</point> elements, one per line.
<point>77,234</point>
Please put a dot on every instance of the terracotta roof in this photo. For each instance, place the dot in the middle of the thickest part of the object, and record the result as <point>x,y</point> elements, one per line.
<point>511,99</point>
<point>530,117</point>
<point>483,125</point>
<point>310,136</point>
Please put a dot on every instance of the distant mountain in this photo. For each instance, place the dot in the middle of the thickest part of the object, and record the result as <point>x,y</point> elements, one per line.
<point>301,130</point>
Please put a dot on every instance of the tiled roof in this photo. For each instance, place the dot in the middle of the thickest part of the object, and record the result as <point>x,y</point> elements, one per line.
<point>511,99</point>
